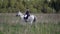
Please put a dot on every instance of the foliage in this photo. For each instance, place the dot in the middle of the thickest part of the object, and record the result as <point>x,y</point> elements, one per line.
<point>35,6</point>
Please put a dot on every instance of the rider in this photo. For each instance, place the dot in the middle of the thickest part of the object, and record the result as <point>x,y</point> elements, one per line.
<point>27,13</point>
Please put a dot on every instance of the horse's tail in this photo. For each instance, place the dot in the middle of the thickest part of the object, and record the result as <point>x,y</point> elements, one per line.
<point>34,19</point>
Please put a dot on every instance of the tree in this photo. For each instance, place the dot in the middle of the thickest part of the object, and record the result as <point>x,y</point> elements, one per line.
<point>12,3</point>
<point>5,3</point>
<point>1,3</point>
<point>56,5</point>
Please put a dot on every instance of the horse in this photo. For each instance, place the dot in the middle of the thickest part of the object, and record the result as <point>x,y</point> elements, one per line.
<point>31,18</point>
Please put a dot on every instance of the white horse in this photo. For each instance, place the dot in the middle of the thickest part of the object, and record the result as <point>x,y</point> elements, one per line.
<point>31,18</point>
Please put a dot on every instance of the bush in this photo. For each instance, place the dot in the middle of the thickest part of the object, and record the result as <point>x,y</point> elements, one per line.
<point>33,10</point>
<point>4,10</point>
<point>34,6</point>
<point>50,10</point>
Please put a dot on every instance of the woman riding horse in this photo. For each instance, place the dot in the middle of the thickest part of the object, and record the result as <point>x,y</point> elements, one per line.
<point>27,14</point>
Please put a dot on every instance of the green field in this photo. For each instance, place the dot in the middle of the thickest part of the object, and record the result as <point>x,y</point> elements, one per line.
<point>8,25</point>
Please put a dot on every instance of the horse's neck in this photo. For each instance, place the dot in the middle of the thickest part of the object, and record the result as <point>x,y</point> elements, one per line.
<point>22,16</point>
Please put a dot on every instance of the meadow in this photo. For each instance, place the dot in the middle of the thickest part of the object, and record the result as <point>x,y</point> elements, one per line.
<point>10,24</point>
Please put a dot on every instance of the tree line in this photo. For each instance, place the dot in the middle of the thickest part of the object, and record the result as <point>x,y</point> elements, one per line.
<point>35,6</point>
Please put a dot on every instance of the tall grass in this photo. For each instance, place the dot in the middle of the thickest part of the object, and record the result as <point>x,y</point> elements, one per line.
<point>39,28</point>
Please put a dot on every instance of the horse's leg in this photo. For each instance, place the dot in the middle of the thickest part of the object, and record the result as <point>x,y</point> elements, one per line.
<point>31,21</point>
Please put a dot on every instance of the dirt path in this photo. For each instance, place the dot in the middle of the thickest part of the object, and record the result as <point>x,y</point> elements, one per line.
<point>49,18</point>
<point>42,18</point>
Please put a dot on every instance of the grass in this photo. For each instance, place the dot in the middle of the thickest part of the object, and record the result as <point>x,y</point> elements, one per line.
<point>39,28</point>
<point>17,28</point>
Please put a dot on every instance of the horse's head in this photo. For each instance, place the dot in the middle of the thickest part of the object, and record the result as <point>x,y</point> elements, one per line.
<point>19,14</point>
